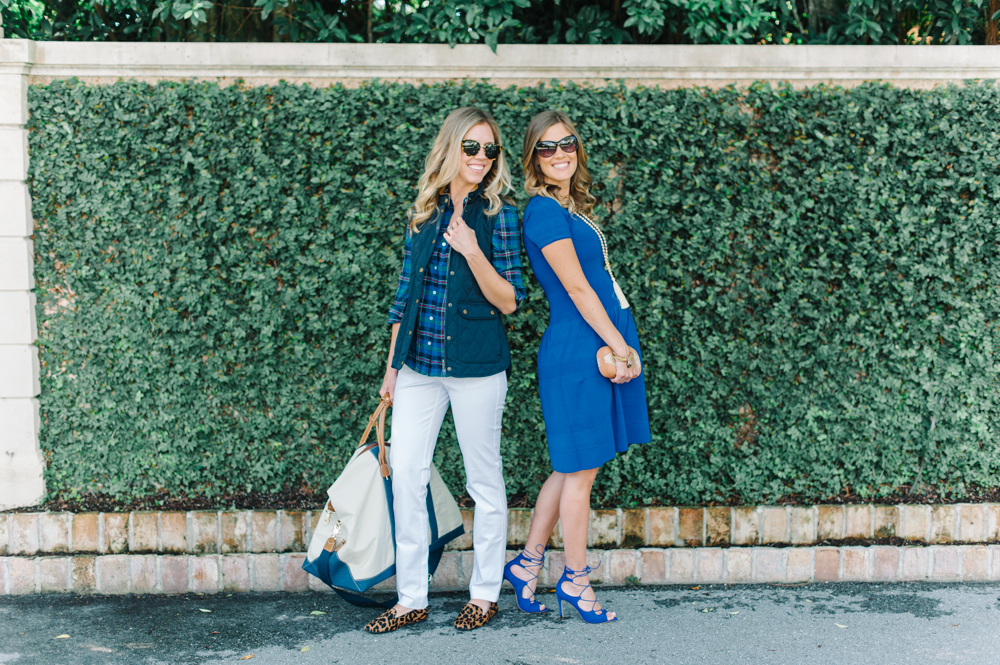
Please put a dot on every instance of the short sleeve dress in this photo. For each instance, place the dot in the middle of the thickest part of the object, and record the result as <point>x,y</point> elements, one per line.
<point>588,419</point>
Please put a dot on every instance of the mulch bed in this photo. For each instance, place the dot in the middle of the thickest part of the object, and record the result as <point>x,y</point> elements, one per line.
<point>289,500</point>
<point>902,494</point>
<point>305,499</point>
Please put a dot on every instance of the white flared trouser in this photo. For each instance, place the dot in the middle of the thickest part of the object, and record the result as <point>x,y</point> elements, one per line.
<point>418,409</point>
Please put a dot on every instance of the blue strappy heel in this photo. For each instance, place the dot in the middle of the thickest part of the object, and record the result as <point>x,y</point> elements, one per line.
<point>529,605</point>
<point>593,616</point>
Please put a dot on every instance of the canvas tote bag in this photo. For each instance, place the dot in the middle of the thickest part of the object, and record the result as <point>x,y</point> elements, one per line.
<point>353,547</point>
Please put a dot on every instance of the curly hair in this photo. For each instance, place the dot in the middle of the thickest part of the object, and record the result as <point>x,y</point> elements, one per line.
<point>444,162</point>
<point>579,199</point>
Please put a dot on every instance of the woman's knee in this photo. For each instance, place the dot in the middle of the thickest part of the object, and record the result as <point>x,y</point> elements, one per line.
<point>580,481</point>
<point>408,474</point>
<point>586,475</point>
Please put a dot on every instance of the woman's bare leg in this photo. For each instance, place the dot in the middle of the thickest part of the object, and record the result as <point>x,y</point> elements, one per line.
<point>546,514</point>
<point>574,511</point>
<point>542,522</point>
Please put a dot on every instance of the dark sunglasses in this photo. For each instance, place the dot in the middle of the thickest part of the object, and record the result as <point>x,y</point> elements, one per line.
<point>471,148</point>
<point>569,144</point>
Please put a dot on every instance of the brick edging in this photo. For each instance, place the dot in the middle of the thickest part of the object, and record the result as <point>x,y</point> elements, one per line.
<point>214,573</point>
<point>288,531</point>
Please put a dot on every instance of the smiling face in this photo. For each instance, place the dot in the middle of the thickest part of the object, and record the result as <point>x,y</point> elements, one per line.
<point>475,168</point>
<point>560,167</point>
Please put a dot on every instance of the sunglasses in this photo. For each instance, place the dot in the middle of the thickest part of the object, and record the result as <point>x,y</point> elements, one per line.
<point>471,148</point>
<point>546,149</point>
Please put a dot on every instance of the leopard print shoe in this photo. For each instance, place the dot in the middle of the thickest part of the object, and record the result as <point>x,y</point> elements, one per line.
<point>388,621</point>
<point>472,616</point>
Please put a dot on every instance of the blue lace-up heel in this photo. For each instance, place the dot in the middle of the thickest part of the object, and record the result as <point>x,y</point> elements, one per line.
<point>594,615</point>
<point>529,605</point>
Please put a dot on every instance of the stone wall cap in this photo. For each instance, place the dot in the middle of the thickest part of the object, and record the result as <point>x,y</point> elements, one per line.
<point>511,61</point>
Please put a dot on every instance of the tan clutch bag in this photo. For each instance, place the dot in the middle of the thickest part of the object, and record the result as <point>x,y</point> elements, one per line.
<point>606,362</point>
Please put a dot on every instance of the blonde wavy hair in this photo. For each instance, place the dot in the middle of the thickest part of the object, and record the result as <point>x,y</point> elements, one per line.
<point>580,200</point>
<point>444,162</point>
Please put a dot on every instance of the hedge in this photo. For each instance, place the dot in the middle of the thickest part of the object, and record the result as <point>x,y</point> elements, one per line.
<point>814,272</point>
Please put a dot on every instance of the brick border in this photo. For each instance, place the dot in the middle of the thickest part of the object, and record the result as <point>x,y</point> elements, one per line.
<point>215,573</point>
<point>289,531</point>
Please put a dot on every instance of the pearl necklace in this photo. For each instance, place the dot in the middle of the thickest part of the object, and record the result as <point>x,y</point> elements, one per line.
<point>622,300</point>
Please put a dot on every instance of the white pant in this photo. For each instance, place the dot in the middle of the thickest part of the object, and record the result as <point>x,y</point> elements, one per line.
<point>418,408</point>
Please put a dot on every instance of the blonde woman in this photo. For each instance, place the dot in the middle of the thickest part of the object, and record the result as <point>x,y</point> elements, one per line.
<point>588,419</point>
<point>461,273</point>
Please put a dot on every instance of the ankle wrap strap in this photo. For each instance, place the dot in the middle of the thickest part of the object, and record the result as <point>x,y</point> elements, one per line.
<point>535,558</point>
<point>572,575</point>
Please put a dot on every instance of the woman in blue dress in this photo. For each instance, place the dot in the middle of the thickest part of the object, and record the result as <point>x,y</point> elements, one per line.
<point>588,418</point>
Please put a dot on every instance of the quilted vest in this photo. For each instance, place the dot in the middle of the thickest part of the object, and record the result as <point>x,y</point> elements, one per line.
<point>475,340</point>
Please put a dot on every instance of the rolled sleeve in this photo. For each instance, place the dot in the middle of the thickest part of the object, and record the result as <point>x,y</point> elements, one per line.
<point>507,250</point>
<point>403,287</point>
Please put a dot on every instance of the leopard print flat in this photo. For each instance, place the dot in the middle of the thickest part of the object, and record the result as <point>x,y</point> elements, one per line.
<point>388,621</point>
<point>472,616</point>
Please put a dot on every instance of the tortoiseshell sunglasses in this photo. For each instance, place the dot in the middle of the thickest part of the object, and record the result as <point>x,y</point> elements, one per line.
<point>546,149</point>
<point>471,148</point>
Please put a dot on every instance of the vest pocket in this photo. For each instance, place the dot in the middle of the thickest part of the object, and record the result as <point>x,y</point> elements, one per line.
<point>481,333</point>
<point>477,310</point>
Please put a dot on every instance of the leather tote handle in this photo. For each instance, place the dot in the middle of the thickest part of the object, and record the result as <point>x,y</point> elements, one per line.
<point>377,420</point>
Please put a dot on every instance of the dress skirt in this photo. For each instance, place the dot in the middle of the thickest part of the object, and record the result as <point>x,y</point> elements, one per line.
<point>588,419</point>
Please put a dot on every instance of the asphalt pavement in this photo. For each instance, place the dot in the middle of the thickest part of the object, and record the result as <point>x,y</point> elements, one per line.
<point>811,624</point>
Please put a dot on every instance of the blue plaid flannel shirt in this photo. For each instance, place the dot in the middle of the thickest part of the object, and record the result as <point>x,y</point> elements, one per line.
<point>427,352</point>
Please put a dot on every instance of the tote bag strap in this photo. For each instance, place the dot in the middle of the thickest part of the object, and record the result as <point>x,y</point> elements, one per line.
<point>377,420</point>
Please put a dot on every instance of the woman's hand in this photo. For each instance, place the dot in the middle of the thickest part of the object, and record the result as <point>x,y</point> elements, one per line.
<point>462,238</point>
<point>389,384</point>
<point>624,373</point>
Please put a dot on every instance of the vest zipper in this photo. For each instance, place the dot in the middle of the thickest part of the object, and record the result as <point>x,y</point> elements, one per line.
<point>447,280</point>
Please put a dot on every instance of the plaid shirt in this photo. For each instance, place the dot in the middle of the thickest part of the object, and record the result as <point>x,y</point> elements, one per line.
<point>426,355</point>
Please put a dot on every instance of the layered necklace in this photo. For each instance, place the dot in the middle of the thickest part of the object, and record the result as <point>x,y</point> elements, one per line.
<point>607,262</point>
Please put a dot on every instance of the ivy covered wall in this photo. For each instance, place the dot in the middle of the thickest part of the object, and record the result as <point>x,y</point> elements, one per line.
<point>814,272</point>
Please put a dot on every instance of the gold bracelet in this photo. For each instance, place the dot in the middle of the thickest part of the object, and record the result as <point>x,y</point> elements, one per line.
<point>625,359</point>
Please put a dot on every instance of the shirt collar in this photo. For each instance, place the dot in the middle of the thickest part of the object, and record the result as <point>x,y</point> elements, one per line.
<point>444,194</point>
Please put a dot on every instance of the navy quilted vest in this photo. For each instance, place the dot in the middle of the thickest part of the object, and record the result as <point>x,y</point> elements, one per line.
<point>475,340</point>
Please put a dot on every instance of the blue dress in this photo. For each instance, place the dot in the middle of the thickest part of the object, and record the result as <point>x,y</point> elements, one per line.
<point>588,419</point>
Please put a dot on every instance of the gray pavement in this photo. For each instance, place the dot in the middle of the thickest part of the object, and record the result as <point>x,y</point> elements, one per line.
<point>814,624</point>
